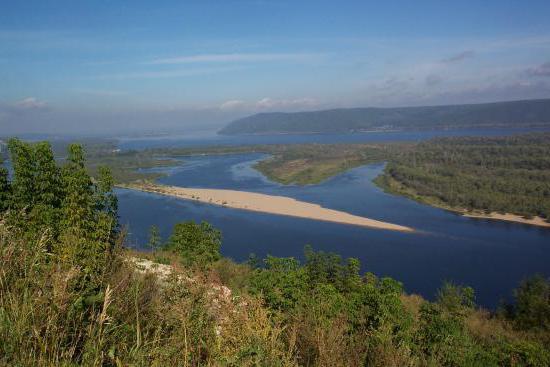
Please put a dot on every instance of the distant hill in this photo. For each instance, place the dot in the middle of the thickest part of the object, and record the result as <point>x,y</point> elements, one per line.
<point>527,113</point>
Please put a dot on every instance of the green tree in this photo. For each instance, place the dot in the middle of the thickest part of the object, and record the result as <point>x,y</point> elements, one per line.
<point>532,307</point>
<point>106,206</point>
<point>456,299</point>
<point>78,202</point>
<point>154,238</point>
<point>197,244</point>
<point>24,180</point>
<point>87,228</point>
<point>48,194</point>
<point>5,189</point>
<point>283,283</point>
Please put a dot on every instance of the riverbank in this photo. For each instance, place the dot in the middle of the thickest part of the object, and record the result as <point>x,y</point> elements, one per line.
<point>257,202</point>
<point>394,187</point>
<point>536,221</point>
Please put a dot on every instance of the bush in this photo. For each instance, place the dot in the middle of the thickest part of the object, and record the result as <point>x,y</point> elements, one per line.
<point>196,244</point>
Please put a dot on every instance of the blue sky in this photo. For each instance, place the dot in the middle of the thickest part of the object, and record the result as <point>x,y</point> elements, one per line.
<point>100,66</point>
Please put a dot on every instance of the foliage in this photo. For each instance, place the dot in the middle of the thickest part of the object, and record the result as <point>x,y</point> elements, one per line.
<point>313,163</point>
<point>501,174</point>
<point>532,306</point>
<point>5,189</point>
<point>155,240</point>
<point>197,244</point>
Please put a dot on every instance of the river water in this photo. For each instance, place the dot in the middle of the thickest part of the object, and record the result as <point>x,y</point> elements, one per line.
<point>491,256</point>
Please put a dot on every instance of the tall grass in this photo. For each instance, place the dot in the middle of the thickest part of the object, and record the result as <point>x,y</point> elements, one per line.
<point>48,318</point>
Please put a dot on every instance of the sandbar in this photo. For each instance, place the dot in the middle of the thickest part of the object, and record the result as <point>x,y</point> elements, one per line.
<point>280,205</point>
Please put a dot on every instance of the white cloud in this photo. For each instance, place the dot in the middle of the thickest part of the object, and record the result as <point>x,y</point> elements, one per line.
<point>30,103</point>
<point>270,103</point>
<point>541,70</point>
<point>233,104</point>
<point>236,57</point>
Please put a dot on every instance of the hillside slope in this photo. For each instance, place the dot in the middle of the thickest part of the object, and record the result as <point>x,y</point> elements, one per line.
<point>527,113</point>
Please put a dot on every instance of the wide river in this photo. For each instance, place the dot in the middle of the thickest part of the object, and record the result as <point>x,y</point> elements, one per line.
<point>491,256</point>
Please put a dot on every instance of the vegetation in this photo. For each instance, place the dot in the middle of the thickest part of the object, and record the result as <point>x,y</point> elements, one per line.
<point>313,163</point>
<point>527,113</point>
<point>300,164</point>
<point>289,164</point>
<point>197,244</point>
<point>499,174</point>
<point>70,294</point>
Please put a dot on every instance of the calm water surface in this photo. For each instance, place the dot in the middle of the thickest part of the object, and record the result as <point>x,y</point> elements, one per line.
<point>491,256</point>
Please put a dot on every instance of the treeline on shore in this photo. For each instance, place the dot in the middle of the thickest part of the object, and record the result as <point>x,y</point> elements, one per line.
<point>71,294</point>
<point>489,174</point>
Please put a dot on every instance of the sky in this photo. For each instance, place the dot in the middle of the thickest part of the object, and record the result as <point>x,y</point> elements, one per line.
<point>131,66</point>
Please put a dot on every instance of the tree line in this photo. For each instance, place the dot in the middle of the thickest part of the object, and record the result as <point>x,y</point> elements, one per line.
<point>491,174</point>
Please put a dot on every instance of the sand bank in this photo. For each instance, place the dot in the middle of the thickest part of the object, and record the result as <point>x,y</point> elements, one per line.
<point>280,205</point>
<point>536,221</point>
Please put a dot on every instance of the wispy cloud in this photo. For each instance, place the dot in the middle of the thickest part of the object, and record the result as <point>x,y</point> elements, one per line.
<point>100,92</point>
<point>433,79</point>
<point>30,103</point>
<point>268,103</point>
<point>298,103</point>
<point>168,73</point>
<point>458,57</point>
<point>541,70</point>
<point>233,104</point>
<point>236,57</point>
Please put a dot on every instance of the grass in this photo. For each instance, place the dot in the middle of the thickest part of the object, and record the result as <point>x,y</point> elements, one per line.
<point>314,163</point>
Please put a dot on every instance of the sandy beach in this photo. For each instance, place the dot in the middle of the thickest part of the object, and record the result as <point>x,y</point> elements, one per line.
<point>280,205</point>
<point>536,221</point>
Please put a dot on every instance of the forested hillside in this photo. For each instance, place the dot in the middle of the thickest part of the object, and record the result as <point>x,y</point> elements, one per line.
<point>71,294</point>
<point>499,174</point>
<point>528,113</point>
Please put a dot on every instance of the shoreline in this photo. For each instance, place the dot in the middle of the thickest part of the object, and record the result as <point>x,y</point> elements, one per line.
<point>508,217</point>
<point>390,188</point>
<point>279,205</point>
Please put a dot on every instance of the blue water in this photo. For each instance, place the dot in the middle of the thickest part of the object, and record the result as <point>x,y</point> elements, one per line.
<point>491,256</point>
<point>210,139</point>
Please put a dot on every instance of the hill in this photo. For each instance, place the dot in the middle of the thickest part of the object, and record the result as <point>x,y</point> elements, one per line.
<point>526,113</point>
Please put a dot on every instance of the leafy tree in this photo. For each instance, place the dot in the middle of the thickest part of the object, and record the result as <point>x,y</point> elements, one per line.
<point>24,180</point>
<point>5,189</point>
<point>106,200</point>
<point>197,244</point>
<point>89,222</point>
<point>78,202</point>
<point>106,205</point>
<point>456,299</point>
<point>154,238</point>
<point>47,177</point>
<point>283,283</point>
<point>532,306</point>
<point>323,267</point>
<point>48,195</point>
<point>253,261</point>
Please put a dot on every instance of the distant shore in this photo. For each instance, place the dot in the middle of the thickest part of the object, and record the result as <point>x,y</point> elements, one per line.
<point>257,202</point>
